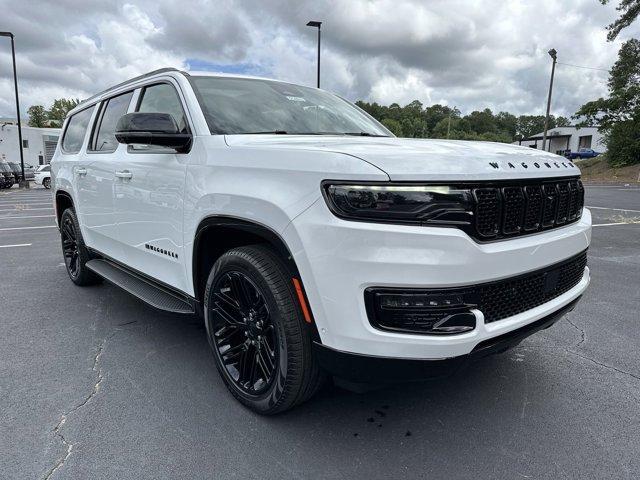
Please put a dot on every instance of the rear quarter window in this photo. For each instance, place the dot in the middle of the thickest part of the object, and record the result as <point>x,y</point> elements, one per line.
<point>75,132</point>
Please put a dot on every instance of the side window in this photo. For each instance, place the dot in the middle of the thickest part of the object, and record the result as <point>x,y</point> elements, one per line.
<point>104,139</point>
<point>76,129</point>
<point>163,98</point>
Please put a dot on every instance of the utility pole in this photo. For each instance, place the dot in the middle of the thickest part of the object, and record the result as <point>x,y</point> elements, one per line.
<point>552,54</point>
<point>314,23</point>
<point>24,182</point>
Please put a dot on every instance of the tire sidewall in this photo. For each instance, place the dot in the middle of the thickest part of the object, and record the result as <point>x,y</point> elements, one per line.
<point>268,400</point>
<point>85,276</point>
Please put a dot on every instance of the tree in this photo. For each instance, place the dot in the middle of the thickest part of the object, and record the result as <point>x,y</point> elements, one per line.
<point>630,9</point>
<point>37,116</point>
<point>529,125</point>
<point>618,116</point>
<point>60,108</point>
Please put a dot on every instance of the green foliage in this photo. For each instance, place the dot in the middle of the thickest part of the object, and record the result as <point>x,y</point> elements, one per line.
<point>439,121</point>
<point>630,9</point>
<point>54,117</point>
<point>619,115</point>
<point>60,108</point>
<point>37,116</point>
<point>623,142</point>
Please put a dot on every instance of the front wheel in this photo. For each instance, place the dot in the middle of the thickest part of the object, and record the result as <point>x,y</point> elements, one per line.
<point>261,345</point>
<point>46,183</point>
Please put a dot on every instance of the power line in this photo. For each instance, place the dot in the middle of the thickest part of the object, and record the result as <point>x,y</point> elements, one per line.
<point>582,66</point>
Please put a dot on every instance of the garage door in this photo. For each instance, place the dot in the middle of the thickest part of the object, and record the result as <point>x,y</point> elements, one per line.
<point>49,150</point>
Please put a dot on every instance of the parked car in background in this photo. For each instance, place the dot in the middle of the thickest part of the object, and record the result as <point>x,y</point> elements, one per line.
<point>17,171</point>
<point>7,178</point>
<point>43,176</point>
<point>581,153</point>
<point>29,171</point>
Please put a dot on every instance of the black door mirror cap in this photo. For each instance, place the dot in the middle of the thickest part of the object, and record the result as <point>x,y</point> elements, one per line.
<point>159,129</point>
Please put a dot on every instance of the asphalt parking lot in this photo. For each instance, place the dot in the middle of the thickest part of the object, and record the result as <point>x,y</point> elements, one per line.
<point>94,384</point>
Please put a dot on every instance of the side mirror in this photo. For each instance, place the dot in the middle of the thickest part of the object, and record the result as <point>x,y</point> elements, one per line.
<point>159,129</point>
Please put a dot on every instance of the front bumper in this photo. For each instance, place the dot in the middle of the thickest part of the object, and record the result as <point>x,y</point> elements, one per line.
<point>338,260</point>
<point>371,369</point>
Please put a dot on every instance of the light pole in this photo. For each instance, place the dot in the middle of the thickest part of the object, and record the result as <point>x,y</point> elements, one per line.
<point>313,23</point>
<point>24,182</point>
<point>552,54</point>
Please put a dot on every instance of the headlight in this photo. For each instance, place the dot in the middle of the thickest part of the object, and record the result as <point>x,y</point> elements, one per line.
<point>412,204</point>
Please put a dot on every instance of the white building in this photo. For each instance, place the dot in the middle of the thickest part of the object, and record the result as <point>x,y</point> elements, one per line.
<point>561,139</point>
<point>38,144</point>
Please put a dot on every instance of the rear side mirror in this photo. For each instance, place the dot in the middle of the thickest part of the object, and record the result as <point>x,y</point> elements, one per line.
<point>159,129</point>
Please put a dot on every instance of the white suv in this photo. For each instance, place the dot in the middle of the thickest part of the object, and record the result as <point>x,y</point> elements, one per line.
<point>311,240</point>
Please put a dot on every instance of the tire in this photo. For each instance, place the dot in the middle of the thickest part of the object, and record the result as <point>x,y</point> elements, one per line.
<point>74,250</point>
<point>272,332</point>
<point>46,182</point>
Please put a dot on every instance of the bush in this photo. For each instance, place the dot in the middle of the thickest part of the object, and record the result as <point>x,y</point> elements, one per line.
<point>623,143</point>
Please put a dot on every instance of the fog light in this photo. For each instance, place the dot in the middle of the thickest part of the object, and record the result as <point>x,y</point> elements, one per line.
<point>439,313</point>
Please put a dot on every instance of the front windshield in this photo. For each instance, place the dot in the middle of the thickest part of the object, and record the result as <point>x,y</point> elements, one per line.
<point>245,106</point>
<point>4,167</point>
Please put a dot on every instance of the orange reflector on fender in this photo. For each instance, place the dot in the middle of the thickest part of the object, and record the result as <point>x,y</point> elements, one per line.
<point>303,303</point>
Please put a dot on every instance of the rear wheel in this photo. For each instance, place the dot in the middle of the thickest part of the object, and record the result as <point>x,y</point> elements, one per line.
<point>46,183</point>
<point>74,250</point>
<point>261,345</point>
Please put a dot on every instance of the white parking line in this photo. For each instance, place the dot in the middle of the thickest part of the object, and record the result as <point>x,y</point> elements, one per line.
<point>17,245</point>
<point>27,228</point>
<point>24,209</point>
<point>11,204</point>
<point>618,209</point>
<point>26,216</point>
<point>616,223</point>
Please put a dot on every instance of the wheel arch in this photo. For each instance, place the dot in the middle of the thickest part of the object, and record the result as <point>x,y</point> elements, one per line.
<point>217,234</point>
<point>63,200</point>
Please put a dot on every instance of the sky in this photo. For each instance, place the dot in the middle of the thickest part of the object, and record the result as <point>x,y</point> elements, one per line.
<point>472,54</point>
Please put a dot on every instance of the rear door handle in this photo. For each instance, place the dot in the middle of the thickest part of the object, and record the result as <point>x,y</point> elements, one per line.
<point>126,174</point>
<point>81,171</point>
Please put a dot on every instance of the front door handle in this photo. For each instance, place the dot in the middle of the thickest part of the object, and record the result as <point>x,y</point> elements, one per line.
<point>81,171</point>
<point>125,174</point>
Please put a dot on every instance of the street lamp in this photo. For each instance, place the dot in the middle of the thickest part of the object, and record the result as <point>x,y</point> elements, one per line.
<point>317,24</point>
<point>552,54</point>
<point>24,182</point>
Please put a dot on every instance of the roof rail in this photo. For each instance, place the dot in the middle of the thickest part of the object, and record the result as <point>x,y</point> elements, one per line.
<point>132,80</point>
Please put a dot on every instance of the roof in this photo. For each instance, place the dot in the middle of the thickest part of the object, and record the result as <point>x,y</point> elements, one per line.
<point>97,96</point>
<point>560,132</point>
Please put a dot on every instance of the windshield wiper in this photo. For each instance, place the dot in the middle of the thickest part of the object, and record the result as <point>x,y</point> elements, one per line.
<point>272,132</point>
<point>361,134</point>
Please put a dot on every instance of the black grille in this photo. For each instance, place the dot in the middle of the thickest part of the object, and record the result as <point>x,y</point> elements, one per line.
<point>496,300</point>
<point>513,210</point>
<point>509,297</point>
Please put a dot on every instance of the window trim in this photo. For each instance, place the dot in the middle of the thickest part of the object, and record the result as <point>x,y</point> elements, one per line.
<point>66,129</point>
<point>163,82</point>
<point>97,123</point>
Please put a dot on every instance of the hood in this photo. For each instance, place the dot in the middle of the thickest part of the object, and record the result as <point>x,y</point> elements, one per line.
<point>405,159</point>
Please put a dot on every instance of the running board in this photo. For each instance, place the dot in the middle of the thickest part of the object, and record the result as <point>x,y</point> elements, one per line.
<point>146,290</point>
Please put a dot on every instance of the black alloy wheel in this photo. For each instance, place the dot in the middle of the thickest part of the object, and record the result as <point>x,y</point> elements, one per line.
<point>75,252</point>
<point>70,248</point>
<point>46,183</point>
<point>244,335</point>
<point>261,344</point>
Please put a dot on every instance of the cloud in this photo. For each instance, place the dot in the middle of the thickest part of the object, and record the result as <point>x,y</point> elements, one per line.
<point>469,53</point>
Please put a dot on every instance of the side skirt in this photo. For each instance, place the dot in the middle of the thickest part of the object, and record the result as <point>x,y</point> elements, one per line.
<point>148,290</point>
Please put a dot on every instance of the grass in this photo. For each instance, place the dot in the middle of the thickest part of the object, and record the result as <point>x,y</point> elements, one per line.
<point>597,170</point>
